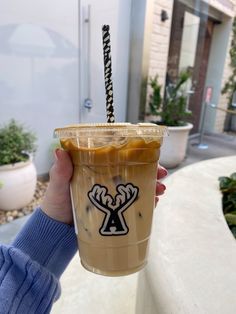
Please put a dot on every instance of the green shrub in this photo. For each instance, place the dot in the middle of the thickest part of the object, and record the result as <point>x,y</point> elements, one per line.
<point>228,189</point>
<point>16,143</point>
<point>171,110</point>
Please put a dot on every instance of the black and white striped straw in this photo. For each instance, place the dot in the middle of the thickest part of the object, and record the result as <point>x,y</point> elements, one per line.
<point>108,73</point>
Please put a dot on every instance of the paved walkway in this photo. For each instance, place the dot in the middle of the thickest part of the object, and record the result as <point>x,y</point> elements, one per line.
<point>192,254</point>
<point>9,230</point>
<point>87,293</point>
<point>219,145</point>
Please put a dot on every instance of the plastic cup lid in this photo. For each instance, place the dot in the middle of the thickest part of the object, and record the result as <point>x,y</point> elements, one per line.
<point>111,130</point>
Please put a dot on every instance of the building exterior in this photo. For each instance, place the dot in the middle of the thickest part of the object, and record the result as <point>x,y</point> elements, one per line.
<point>52,64</point>
<point>51,60</point>
<point>197,34</point>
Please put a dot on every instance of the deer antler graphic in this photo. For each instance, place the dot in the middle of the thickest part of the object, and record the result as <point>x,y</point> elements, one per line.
<point>114,222</point>
<point>100,198</point>
<point>127,194</point>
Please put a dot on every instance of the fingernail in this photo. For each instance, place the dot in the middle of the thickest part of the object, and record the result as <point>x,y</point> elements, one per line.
<point>165,172</point>
<point>163,186</point>
<point>57,153</point>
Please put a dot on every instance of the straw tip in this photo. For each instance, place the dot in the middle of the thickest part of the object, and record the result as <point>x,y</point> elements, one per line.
<point>105,27</point>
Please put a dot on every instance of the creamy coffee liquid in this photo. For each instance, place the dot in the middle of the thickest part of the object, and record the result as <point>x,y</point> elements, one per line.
<point>113,190</point>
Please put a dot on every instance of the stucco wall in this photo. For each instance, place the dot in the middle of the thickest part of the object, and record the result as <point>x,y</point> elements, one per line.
<point>228,7</point>
<point>225,6</point>
<point>223,102</point>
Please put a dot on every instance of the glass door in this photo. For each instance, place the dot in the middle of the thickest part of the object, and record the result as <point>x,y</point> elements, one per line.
<point>191,36</point>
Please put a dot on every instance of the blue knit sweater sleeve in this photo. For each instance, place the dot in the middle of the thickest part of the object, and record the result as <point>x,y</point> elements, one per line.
<point>30,268</point>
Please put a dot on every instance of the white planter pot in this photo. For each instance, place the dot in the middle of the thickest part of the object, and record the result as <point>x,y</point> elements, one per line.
<point>18,182</point>
<point>174,146</point>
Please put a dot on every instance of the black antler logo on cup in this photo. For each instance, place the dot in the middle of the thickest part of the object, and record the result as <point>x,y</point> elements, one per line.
<point>114,222</point>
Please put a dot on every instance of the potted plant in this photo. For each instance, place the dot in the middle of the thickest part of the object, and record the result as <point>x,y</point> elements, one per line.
<point>172,111</point>
<point>17,172</point>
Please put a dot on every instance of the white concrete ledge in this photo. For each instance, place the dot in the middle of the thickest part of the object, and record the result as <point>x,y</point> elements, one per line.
<point>192,262</point>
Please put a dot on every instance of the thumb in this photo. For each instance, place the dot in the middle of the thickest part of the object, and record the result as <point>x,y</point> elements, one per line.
<point>57,203</point>
<point>62,170</point>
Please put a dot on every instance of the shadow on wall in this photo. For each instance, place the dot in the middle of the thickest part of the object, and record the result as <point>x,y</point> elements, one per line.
<point>38,82</point>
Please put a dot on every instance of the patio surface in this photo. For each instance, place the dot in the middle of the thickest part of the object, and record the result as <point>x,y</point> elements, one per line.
<point>219,145</point>
<point>86,293</point>
<point>192,253</point>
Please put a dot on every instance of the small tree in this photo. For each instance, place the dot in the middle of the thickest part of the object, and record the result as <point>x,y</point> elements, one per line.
<point>172,109</point>
<point>155,99</point>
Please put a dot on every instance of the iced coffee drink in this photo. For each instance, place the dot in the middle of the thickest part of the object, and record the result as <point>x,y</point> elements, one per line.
<point>113,191</point>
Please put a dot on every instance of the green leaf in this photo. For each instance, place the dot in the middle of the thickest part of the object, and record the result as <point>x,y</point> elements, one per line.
<point>231,219</point>
<point>224,183</point>
<point>155,99</point>
<point>233,176</point>
<point>172,109</point>
<point>233,230</point>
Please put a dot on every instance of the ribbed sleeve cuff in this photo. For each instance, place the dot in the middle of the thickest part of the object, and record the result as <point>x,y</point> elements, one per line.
<point>49,242</point>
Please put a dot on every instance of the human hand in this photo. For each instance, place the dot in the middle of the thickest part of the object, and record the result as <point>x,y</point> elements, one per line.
<point>160,187</point>
<point>57,202</point>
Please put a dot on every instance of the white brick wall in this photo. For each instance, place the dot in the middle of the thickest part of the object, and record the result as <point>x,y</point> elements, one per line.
<point>160,41</point>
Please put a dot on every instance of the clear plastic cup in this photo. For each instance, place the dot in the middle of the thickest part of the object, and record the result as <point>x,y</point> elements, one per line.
<point>113,192</point>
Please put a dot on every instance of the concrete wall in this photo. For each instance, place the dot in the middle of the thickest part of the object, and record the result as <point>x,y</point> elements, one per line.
<point>222,100</point>
<point>229,8</point>
<point>219,63</point>
<point>217,69</point>
<point>140,41</point>
<point>225,6</point>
